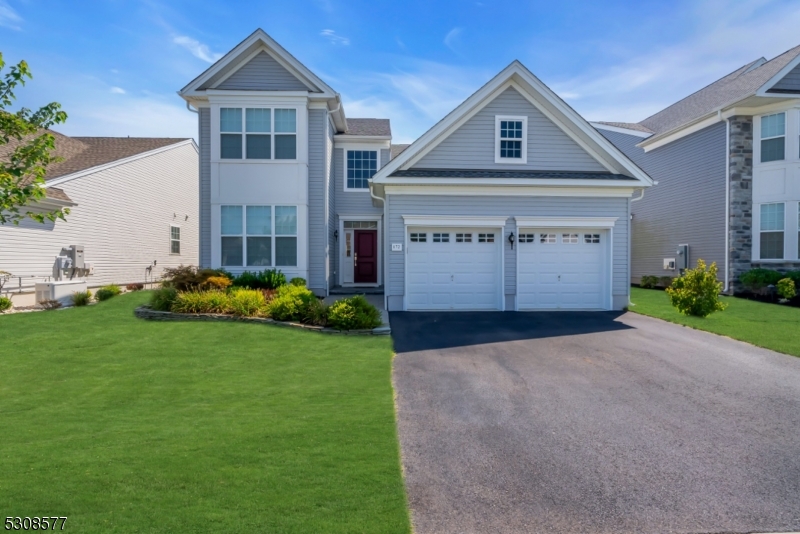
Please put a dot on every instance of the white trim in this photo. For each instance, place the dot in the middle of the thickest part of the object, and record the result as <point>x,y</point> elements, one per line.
<point>523,160</point>
<point>357,138</point>
<point>91,170</point>
<point>619,129</point>
<point>530,191</point>
<point>362,148</point>
<point>340,251</point>
<point>260,94</point>
<point>472,221</point>
<point>301,117</point>
<point>566,222</point>
<point>568,120</point>
<point>171,226</point>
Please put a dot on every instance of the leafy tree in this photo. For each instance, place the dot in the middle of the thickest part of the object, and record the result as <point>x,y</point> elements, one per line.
<point>697,291</point>
<point>23,168</point>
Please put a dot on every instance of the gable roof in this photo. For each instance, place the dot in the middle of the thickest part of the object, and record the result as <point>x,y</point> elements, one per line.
<point>396,150</point>
<point>541,97</point>
<point>369,127</point>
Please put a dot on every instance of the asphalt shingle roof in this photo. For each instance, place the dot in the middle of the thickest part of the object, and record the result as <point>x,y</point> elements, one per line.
<point>398,149</point>
<point>368,127</point>
<point>628,125</point>
<point>480,173</point>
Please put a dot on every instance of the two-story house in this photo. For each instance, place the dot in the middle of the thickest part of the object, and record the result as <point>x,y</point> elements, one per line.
<point>511,202</point>
<point>727,163</point>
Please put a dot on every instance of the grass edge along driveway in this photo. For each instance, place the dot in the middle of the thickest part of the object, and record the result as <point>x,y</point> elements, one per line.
<point>125,425</point>
<point>770,326</point>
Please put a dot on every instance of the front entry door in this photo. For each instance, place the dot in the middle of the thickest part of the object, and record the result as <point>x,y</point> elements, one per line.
<point>366,257</point>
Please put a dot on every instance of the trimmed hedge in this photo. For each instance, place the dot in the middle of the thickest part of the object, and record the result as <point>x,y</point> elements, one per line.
<point>353,313</point>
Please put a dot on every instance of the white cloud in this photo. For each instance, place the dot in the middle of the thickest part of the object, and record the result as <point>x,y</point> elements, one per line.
<point>118,90</point>
<point>335,39</point>
<point>8,17</point>
<point>451,39</point>
<point>728,34</point>
<point>198,49</point>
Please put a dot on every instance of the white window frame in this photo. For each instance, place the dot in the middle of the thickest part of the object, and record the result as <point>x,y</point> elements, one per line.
<point>761,231</point>
<point>783,136</point>
<point>273,237</point>
<point>172,240</point>
<point>350,148</point>
<point>514,161</point>
<point>243,107</point>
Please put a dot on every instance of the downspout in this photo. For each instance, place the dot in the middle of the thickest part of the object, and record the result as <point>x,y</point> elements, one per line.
<point>630,234</point>
<point>189,107</point>
<point>384,243</point>
<point>725,288</point>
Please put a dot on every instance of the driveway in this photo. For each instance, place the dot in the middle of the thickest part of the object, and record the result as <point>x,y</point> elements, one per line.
<point>593,422</point>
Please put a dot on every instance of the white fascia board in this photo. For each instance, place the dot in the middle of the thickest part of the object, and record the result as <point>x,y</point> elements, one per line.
<point>565,222</point>
<point>619,129</point>
<point>454,220</point>
<point>762,91</point>
<point>345,138</point>
<point>91,170</point>
<point>517,191</point>
<point>485,94</point>
<point>508,182</point>
<point>223,92</point>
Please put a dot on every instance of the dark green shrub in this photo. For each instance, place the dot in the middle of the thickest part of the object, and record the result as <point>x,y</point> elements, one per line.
<point>5,304</point>
<point>353,313</point>
<point>81,298</point>
<point>758,279</point>
<point>786,288</point>
<point>247,302</point>
<point>316,313</point>
<point>697,291</point>
<point>794,276</point>
<point>268,279</point>
<point>201,302</point>
<point>291,303</point>
<point>297,281</point>
<point>163,298</point>
<point>648,282</point>
<point>665,281</point>
<point>103,294</point>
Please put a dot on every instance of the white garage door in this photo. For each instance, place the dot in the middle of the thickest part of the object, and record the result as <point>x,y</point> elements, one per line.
<point>453,269</point>
<point>562,269</point>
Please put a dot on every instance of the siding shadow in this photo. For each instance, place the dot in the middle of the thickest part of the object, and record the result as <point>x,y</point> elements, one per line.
<point>417,331</point>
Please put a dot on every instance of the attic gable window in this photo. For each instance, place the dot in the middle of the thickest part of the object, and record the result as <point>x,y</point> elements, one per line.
<point>511,139</point>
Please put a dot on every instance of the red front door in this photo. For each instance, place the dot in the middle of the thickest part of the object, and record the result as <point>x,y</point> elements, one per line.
<point>366,257</point>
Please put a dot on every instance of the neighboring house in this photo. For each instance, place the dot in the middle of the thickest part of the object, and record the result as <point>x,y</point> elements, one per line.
<point>727,163</point>
<point>512,201</point>
<point>132,201</point>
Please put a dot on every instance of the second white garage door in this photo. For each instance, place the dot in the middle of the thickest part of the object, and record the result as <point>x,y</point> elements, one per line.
<point>563,269</point>
<point>453,269</point>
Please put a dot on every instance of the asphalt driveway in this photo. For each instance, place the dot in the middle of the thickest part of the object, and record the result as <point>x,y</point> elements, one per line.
<point>593,422</point>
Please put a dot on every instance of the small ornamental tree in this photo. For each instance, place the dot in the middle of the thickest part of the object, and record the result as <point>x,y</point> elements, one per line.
<point>786,288</point>
<point>697,291</point>
<point>24,164</point>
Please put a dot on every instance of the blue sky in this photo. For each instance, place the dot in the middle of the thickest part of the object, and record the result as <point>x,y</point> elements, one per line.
<point>116,65</point>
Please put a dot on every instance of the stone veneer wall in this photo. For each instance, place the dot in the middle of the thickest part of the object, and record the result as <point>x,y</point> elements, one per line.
<point>740,162</point>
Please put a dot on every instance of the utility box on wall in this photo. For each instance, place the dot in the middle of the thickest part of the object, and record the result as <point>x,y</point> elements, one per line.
<point>682,259</point>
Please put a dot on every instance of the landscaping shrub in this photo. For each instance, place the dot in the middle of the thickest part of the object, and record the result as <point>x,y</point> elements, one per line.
<point>188,277</point>
<point>297,281</point>
<point>316,313</point>
<point>665,281</point>
<point>268,279</point>
<point>5,304</point>
<point>757,279</point>
<point>353,313</point>
<point>163,298</point>
<point>202,302</point>
<point>219,282</point>
<point>786,288</point>
<point>697,291</point>
<point>81,298</point>
<point>247,302</point>
<point>648,282</point>
<point>106,292</point>
<point>50,304</point>
<point>134,287</point>
<point>291,303</point>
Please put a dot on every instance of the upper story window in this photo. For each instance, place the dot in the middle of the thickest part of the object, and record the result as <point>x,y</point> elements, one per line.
<point>361,166</point>
<point>773,137</point>
<point>511,139</point>
<point>258,133</point>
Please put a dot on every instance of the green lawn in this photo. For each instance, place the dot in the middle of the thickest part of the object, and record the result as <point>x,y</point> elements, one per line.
<point>125,425</point>
<point>766,325</point>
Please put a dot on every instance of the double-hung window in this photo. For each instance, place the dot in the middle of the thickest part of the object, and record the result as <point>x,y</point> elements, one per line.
<point>511,139</point>
<point>174,239</point>
<point>773,137</point>
<point>772,220</point>
<point>258,236</point>
<point>361,166</point>
<point>258,133</point>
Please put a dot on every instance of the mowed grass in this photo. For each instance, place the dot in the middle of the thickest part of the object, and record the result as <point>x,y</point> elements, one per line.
<point>125,425</point>
<point>770,326</point>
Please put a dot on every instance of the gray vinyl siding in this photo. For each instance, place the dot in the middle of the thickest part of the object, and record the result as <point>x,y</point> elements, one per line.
<point>316,199</point>
<point>399,205</point>
<point>472,146</point>
<point>204,119</point>
<point>687,205</point>
<point>790,82</point>
<point>350,202</point>
<point>386,155</point>
<point>263,73</point>
<point>333,254</point>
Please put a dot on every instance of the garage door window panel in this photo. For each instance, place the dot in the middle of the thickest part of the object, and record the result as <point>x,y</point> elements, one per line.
<point>463,238</point>
<point>485,238</point>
